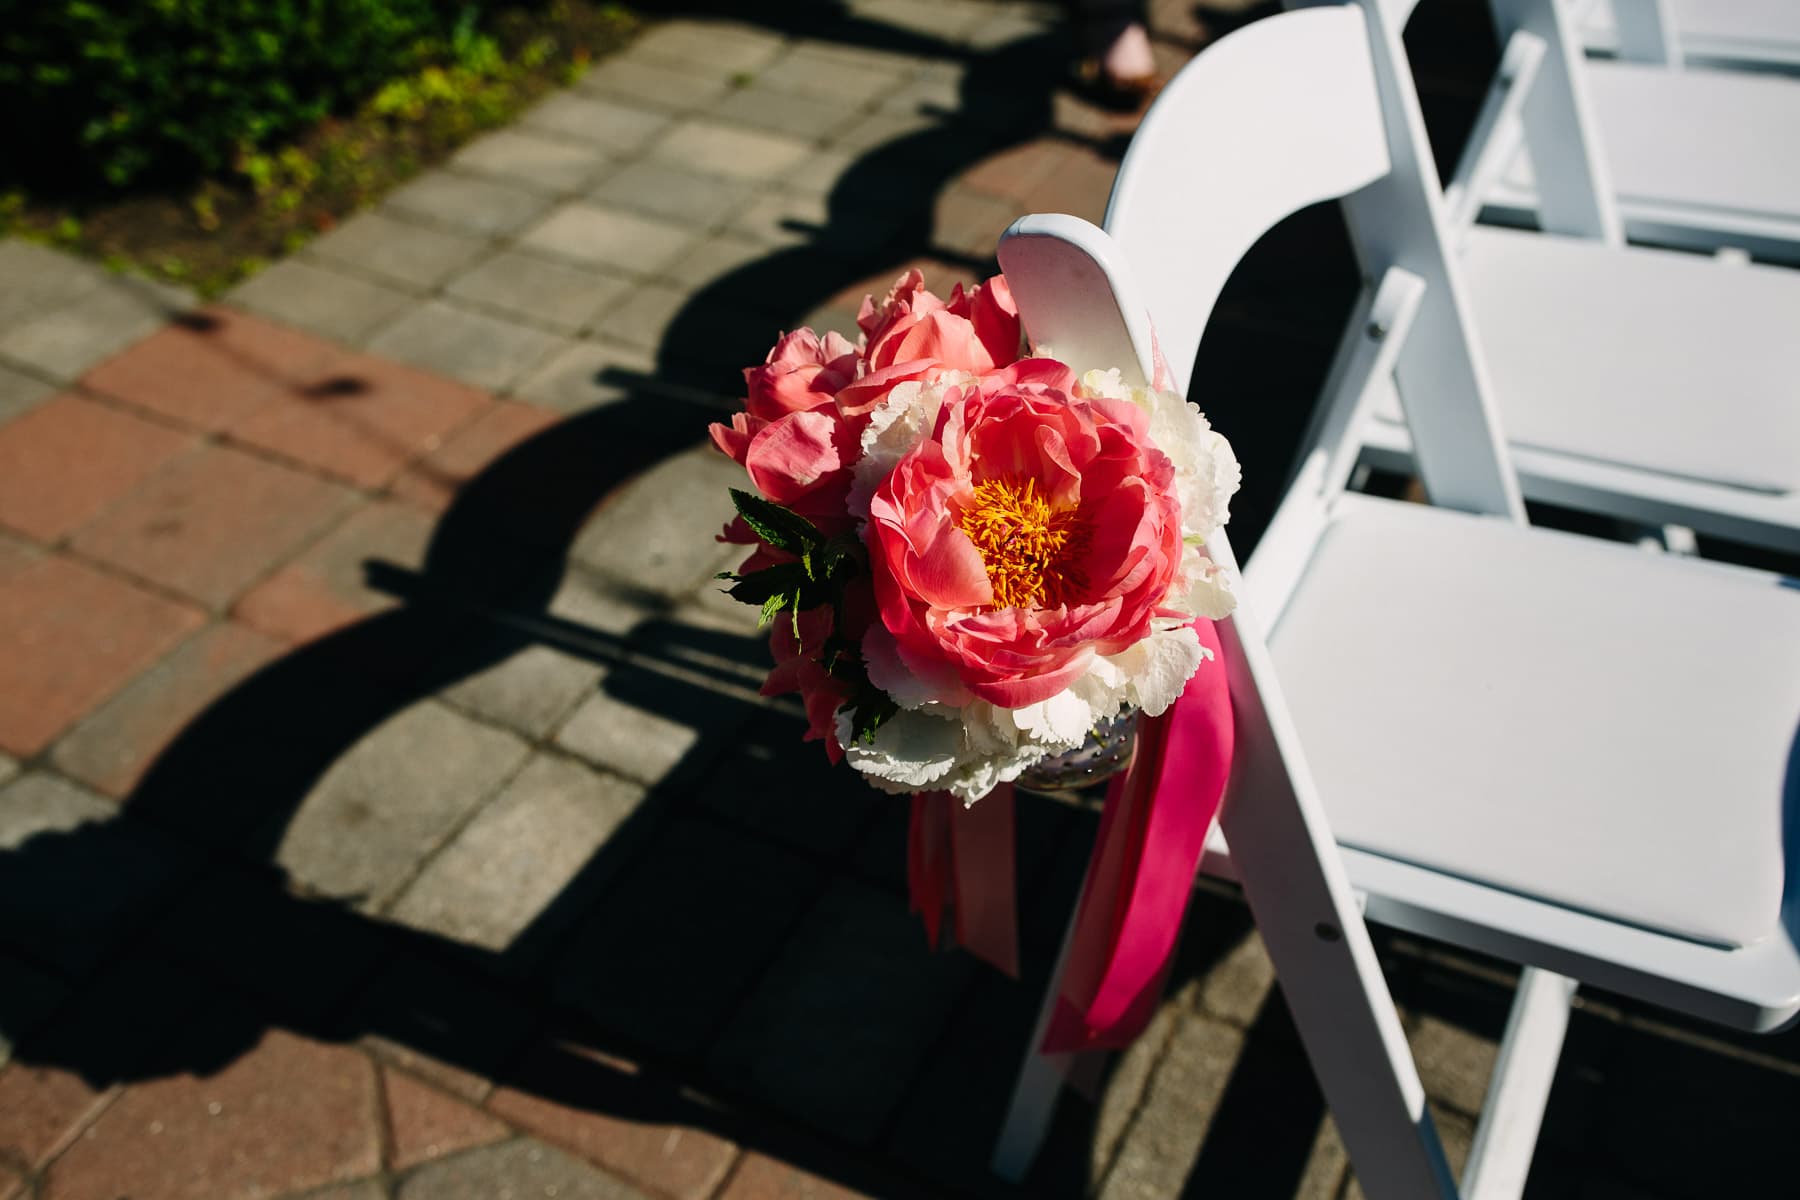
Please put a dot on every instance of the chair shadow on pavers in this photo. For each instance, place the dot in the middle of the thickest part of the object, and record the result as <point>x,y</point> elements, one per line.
<point>724,942</point>
<point>713,933</point>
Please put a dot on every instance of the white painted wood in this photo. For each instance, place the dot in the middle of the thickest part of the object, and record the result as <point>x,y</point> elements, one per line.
<point>1633,382</point>
<point>1576,696</point>
<point>1486,154</point>
<point>1644,32</point>
<point>1307,914</point>
<point>1491,631</point>
<point>1697,158</point>
<point>1323,106</point>
<point>1513,1109</point>
<point>1575,190</point>
<point>1757,35</point>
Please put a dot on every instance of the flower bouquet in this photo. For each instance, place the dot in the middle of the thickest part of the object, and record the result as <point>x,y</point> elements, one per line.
<point>971,556</point>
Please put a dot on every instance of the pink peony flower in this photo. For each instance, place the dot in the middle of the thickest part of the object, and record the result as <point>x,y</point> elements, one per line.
<point>802,372</point>
<point>1030,532</point>
<point>799,666</point>
<point>976,331</point>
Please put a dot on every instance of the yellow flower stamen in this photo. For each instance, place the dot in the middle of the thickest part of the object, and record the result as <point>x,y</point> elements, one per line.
<point>1032,551</point>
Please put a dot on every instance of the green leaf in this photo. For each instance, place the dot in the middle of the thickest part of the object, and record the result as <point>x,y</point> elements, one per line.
<point>783,579</point>
<point>872,709</point>
<point>782,528</point>
<point>773,605</point>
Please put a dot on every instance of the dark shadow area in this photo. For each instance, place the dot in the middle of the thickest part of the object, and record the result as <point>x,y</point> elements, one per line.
<point>741,939</point>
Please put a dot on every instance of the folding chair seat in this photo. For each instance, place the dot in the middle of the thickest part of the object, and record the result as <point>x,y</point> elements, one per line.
<point>1565,752</point>
<point>1643,383</point>
<point>1695,158</point>
<point>1756,35</point>
<point>1647,384</point>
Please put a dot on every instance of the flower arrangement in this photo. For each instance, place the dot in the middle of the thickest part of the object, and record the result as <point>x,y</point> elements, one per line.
<point>970,555</point>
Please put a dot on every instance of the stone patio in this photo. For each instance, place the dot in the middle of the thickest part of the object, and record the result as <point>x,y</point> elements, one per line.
<point>386,805</point>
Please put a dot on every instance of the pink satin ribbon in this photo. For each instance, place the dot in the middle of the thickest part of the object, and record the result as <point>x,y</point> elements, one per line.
<point>963,858</point>
<point>1152,835</point>
<point>1142,874</point>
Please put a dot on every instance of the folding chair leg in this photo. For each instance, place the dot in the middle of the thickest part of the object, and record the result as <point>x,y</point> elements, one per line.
<point>1500,1156</point>
<point>1038,1087</point>
<point>1313,928</point>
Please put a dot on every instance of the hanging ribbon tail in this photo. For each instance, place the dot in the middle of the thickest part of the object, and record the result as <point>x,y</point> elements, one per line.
<point>962,858</point>
<point>986,895</point>
<point>1152,835</point>
<point>928,860</point>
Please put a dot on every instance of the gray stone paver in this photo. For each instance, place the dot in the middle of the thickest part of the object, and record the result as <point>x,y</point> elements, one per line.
<point>846,82</point>
<point>519,853</point>
<point>575,379</point>
<point>65,341</point>
<point>530,691</point>
<point>716,47</point>
<point>479,349</point>
<point>320,299</point>
<point>716,149</point>
<point>643,316</point>
<point>638,743</point>
<point>656,533</point>
<point>19,392</point>
<point>1158,1150</point>
<point>588,233</point>
<point>44,804</point>
<point>402,252</point>
<point>715,258</point>
<point>671,193</point>
<point>83,877</point>
<point>807,117</point>
<point>526,159</point>
<point>653,84</point>
<point>614,127</point>
<point>39,279</point>
<point>8,768</point>
<point>469,203</point>
<point>512,1169</point>
<point>529,286</point>
<point>391,798</point>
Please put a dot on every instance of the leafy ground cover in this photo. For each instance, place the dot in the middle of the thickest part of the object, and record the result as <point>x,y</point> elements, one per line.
<point>211,231</point>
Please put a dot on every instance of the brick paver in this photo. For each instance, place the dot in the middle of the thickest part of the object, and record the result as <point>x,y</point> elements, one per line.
<point>70,636</point>
<point>209,523</point>
<point>212,370</point>
<point>425,1123</point>
<point>364,419</point>
<point>288,1114</point>
<point>326,588</point>
<point>662,1158</point>
<point>68,460</point>
<point>111,749</point>
<point>509,883</point>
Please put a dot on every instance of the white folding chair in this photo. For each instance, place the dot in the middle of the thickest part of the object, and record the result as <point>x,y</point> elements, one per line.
<point>1733,35</point>
<point>1653,385</point>
<point>1696,158</point>
<point>1565,752</point>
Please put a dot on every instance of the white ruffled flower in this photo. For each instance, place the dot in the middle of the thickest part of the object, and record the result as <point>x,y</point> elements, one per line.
<point>905,416</point>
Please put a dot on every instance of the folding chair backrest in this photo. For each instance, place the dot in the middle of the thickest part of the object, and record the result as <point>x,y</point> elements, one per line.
<point>1281,130</point>
<point>1574,187</point>
<point>1286,112</point>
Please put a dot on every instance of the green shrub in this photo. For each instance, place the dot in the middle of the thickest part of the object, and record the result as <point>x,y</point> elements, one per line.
<point>129,90</point>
